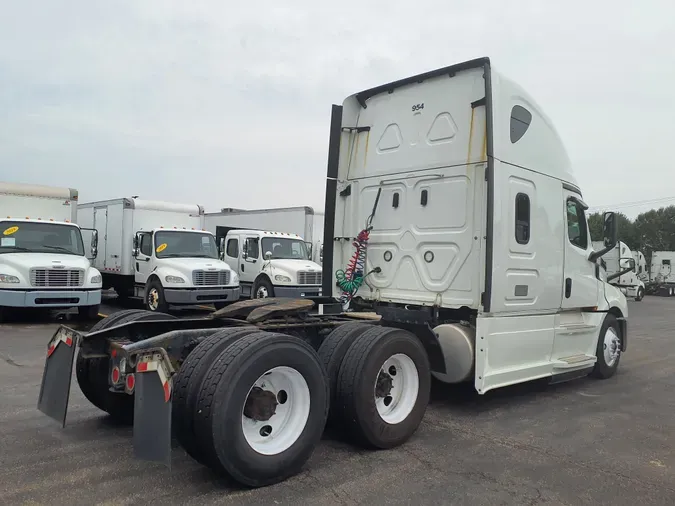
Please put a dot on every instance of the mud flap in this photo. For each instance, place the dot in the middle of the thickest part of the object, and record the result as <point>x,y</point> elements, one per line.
<point>152,411</point>
<point>57,375</point>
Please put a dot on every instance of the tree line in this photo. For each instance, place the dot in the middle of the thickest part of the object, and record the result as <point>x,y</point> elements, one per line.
<point>650,231</point>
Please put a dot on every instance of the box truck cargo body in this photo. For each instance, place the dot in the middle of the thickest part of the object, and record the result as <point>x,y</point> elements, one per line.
<point>159,251</point>
<point>43,260</point>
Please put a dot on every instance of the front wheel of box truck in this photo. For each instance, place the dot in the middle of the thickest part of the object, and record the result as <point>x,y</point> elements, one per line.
<point>262,408</point>
<point>92,373</point>
<point>608,350</point>
<point>262,289</point>
<point>154,297</point>
<point>383,387</point>
<point>640,294</point>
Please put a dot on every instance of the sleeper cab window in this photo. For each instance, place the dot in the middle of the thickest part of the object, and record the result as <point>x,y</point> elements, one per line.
<point>576,225</point>
<point>522,218</point>
<point>520,122</point>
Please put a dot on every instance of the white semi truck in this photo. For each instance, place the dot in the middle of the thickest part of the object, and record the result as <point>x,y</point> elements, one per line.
<point>159,252</point>
<point>661,274</point>
<point>472,245</point>
<point>43,260</point>
<point>271,264</point>
<point>301,221</point>
<point>618,260</point>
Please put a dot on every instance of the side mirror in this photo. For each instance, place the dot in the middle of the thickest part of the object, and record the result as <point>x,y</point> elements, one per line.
<point>94,251</point>
<point>610,229</point>
<point>610,233</point>
<point>134,251</point>
<point>268,255</point>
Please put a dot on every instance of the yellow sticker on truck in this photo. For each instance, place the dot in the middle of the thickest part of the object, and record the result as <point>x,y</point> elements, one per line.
<point>10,231</point>
<point>161,247</point>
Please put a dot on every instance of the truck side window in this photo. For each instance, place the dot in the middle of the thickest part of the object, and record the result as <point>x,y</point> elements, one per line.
<point>522,218</point>
<point>520,122</point>
<point>576,225</point>
<point>146,245</point>
<point>251,248</point>
<point>665,262</point>
<point>233,248</point>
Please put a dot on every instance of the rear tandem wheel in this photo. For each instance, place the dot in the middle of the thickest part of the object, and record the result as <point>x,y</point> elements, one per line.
<point>92,373</point>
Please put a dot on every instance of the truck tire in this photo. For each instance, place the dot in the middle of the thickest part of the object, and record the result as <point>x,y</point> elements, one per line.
<point>92,373</point>
<point>608,350</point>
<point>154,297</point>
<point>332,351</point>
<point>88,312</point>
<point>640,294</point>
<point>83,365</point>
<point>263,384</point>
<point>383,387</point>
<point>262,289</point>
<point>188,381</point>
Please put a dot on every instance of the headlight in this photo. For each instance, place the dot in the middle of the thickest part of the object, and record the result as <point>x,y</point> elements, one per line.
<point>174,279</point>
<point>282,278</point>
<point>7,278</point>
<point>95,280</point>
<point>235,278</point>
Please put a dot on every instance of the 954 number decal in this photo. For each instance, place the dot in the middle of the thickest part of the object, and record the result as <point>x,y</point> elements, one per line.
<point>418,107</point>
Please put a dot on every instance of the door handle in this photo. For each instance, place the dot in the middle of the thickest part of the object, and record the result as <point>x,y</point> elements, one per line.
<point>568,287</point>
<point>242,267</point>
<point>137,266</point>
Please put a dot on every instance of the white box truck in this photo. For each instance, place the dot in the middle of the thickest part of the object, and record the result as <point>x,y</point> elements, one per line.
<point>622,269</point>
<point>301,221</point>
<point>271,264</point>
<point>473,249</point>
<point>43,260</point>
<point>159,251</point>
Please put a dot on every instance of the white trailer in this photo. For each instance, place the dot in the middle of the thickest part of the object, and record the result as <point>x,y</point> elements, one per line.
<point>159,251</point>
<point>661,273</point>
<point>301,221</point>
<point>43,260</point>
<point>473,249</point>
<point>622,269</point>
<point>272,264</point>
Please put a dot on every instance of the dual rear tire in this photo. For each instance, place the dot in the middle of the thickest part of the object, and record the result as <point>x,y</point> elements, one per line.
<point>381,381</point>
<point>251,404</point>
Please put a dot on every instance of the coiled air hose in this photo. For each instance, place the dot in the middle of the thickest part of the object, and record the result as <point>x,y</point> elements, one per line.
<point>351,279</point>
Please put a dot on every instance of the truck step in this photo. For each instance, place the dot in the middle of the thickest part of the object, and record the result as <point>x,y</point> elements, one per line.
<point>574,361</point>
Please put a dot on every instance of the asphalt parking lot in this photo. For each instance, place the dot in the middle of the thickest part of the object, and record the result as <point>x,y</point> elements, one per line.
<point>585,442</point>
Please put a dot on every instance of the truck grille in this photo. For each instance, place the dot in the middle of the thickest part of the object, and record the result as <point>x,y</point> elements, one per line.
<point>56,277</point>
<point>309,278</point>
<point>210,278</point>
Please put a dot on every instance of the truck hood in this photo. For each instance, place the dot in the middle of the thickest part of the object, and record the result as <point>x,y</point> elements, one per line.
<point>24,261</point>
<point>291,266</point>
<point>187,265</point>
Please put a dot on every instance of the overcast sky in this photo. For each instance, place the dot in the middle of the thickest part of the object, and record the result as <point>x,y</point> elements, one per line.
<point>201,102</point>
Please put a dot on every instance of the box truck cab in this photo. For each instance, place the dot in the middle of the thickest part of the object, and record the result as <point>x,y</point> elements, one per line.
<point>272,264</point>
<point>158,251</point>
<point>43,260</point>
<point>619,259</point>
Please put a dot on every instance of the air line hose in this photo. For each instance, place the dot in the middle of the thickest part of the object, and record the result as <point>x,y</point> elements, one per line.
<point>351,279</point>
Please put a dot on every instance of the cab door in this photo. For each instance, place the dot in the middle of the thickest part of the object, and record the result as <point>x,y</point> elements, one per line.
<point>576,327</point>
<point>580,286</point>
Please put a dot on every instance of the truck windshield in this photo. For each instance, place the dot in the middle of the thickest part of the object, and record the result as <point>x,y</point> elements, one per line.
<point>284,248</point>
<point>35,237</point>
<point>174,244</point>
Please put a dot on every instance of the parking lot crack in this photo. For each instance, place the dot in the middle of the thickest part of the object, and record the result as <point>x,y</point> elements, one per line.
<point>9,360</point>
